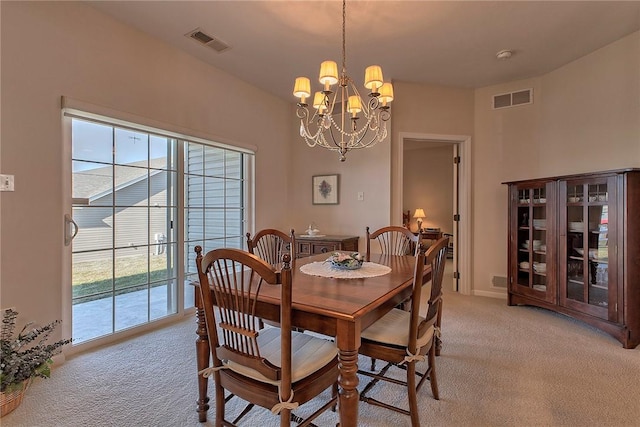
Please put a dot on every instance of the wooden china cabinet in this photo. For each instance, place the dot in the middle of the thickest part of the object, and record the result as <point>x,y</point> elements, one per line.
<point>574,247</point>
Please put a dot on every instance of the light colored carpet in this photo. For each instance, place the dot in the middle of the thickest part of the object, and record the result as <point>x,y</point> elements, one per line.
<point>500,366</point>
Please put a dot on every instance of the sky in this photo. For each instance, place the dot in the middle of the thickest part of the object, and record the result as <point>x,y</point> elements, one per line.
<point>95,142</point>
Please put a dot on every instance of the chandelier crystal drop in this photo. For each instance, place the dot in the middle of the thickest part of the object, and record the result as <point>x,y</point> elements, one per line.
<point>342,121</point>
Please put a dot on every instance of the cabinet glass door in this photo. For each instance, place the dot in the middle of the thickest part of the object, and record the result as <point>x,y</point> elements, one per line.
<point>587,247</point>
<point>532,237</point>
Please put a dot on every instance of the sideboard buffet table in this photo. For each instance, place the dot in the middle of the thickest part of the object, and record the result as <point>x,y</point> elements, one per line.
<point>313,245</point>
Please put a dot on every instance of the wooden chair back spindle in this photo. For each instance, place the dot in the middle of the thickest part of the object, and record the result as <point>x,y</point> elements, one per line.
<point>393,240</point>
<point>270,244</point>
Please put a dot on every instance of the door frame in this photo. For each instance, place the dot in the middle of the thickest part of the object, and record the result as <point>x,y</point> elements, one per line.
<point>463,250</point>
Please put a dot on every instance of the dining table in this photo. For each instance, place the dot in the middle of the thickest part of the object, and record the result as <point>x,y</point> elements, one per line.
<point>340,307</point>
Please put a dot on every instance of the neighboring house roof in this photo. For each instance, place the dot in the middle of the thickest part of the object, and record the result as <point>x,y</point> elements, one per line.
<point>95,183</point>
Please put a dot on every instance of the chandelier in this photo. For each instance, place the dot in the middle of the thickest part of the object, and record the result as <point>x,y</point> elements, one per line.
<point>333,121</point>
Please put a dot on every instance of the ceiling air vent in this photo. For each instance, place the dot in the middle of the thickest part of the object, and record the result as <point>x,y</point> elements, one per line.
<point>513,99</point>
<point>207,40</point>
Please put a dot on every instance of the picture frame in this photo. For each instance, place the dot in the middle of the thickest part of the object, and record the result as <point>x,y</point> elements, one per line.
<point>325,189</point>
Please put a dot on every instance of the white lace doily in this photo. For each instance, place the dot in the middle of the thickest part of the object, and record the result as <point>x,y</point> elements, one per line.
<point>324,269</point>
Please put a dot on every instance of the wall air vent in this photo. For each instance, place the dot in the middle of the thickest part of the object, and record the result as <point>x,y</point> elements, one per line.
<point>499,282</point>
<point>513,99</point>
<point>207,40</point>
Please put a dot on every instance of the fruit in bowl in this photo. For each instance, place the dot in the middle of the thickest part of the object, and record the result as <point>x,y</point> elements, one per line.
<point>346,261</point>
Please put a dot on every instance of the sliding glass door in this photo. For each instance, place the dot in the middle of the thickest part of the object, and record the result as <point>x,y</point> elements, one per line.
<point>142,200</point>
<point>124,205</point>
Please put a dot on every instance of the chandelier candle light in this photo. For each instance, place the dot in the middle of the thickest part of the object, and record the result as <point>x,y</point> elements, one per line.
<point>319,127</point>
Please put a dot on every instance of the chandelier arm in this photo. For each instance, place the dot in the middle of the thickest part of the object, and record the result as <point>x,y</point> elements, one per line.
<point>333,137</point>
<point>311,139</point>
<point>374,103</point>
<point>302,112</point>
<point>379,127</point>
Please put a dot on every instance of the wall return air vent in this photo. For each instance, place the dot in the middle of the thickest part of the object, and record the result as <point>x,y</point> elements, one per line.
<point>513,99</point>
<point>207,40</point>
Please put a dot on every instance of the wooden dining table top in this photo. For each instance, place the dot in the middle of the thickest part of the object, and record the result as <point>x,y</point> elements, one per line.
<point>347,298</point>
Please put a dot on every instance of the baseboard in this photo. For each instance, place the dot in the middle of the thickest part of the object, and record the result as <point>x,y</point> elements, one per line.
<point>490,294</point>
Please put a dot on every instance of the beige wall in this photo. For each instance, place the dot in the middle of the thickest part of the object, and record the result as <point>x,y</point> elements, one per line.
<point>585,117</point>
<point>426,109</point>
<point>366,170</point>
<point>428,184</point>
<point>67,48</point>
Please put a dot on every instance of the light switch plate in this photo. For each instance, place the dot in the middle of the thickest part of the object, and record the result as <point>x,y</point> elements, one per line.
<point>360,195</point>
<point>6,183</point>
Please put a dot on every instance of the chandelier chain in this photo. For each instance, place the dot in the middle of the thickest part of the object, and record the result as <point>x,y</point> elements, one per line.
<point>344,37</point>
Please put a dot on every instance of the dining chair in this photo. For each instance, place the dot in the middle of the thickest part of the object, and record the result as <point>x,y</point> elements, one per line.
<point>270,244</point>
<point>406,219</point>
<point>404,338</point>
<point>275,368</point>
<point>393,240</point>
<point>450,248</point>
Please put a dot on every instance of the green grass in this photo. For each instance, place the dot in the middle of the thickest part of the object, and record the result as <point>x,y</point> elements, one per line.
<point>92,279</point>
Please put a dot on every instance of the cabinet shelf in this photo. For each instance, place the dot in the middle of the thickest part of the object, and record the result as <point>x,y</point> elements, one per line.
<point>594,211</point>
<point>593,260</point>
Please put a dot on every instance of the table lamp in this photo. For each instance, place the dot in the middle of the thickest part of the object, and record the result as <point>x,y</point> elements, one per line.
<point>419,214</point>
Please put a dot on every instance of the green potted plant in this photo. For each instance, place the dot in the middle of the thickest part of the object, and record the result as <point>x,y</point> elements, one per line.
<point>24,356</point>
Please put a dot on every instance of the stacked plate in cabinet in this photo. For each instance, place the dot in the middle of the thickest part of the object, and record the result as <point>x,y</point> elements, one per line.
<point>576,226</point>
<point>593,253</point>
<point>540,267</point>
<point>539,223</point>
<point>536,244</point>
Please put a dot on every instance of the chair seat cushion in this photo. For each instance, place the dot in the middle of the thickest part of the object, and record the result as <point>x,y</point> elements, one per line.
<point>309,354</point>
<point>393,329</point>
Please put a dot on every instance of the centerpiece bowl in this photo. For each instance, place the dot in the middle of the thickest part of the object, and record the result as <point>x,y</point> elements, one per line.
<point>346,261</point>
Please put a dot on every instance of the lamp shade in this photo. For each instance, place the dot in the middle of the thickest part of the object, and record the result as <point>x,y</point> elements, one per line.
<point>355,104</point>
<point>302,87</point>
<point>318,101</point>
<point>419,213</point>
<point>386,93</point>
<point>373,77</point>
<point>328,73</point>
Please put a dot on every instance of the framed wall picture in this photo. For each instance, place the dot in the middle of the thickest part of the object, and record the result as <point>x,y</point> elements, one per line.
<point>325,189</point>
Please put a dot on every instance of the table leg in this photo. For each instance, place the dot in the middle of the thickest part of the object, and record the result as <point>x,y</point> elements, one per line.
<point>348,341</point>
<point>202,361</point>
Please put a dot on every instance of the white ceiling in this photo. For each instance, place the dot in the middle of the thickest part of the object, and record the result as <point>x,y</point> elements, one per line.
<point>452,43</point>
